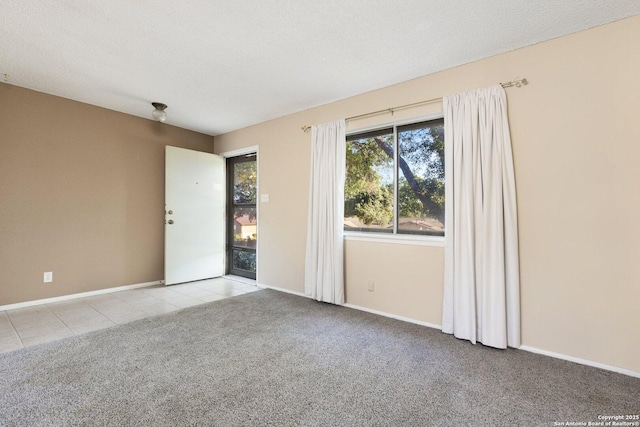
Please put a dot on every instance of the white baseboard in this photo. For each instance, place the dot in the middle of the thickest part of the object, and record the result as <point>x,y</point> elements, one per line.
<point>79,295</point>
<point>394,316</point>
<point>263,286</point>
<point>580,361</point>
<point>356,307</point>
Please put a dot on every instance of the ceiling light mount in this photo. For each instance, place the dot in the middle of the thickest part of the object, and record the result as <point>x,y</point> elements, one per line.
<point>159,115</point>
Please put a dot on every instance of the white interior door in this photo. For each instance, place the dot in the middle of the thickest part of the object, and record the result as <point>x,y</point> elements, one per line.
<point>194,218</point>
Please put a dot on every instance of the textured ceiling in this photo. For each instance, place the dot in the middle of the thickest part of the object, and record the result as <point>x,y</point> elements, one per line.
<point>221,65</point>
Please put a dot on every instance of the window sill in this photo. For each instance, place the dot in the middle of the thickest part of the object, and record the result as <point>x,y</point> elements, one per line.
<point>402,239</point>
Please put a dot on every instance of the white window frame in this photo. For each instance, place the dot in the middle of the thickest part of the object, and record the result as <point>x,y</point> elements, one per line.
<point>395,237</point>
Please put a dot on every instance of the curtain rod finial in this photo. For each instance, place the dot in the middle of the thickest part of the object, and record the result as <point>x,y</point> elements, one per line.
<point>516,83</point>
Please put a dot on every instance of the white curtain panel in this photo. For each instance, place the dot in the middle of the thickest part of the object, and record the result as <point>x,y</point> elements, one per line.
<point>324,264</point>
<point>482,284</point>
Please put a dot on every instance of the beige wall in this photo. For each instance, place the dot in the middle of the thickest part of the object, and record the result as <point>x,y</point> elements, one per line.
<point>81,194</point>
<point>576,141</point>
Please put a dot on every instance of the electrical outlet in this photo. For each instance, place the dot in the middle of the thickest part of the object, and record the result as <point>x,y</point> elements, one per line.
<point>48,276</point>
<point>372,286</point>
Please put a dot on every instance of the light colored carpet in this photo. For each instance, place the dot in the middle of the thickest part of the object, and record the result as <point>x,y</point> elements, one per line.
<point>268,358</point>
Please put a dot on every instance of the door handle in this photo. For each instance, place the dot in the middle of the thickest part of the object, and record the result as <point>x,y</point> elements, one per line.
<point>170,221</point>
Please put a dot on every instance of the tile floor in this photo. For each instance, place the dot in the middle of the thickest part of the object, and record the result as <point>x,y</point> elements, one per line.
<point>23,327</point>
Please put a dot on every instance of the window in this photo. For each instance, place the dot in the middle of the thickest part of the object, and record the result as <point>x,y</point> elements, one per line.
<point>242,215</point>
<point>395,180</point>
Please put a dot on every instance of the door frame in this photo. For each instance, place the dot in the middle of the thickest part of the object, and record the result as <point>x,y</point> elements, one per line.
<point>236,153</point>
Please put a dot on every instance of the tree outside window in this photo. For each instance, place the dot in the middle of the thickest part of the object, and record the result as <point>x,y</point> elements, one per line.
<point>395,180</point>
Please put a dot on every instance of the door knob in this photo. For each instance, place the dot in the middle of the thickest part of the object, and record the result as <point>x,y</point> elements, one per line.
<point>170,221</point>
<point>170,212</point>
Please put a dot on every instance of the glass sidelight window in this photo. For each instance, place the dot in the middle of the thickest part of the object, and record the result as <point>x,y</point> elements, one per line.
<point>242,216</point>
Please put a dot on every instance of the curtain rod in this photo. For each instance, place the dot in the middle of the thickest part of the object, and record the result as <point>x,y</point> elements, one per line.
<point>516,83</point>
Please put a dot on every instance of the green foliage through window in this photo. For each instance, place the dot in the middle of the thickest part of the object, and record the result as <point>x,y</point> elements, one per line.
<point>402,193</point>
